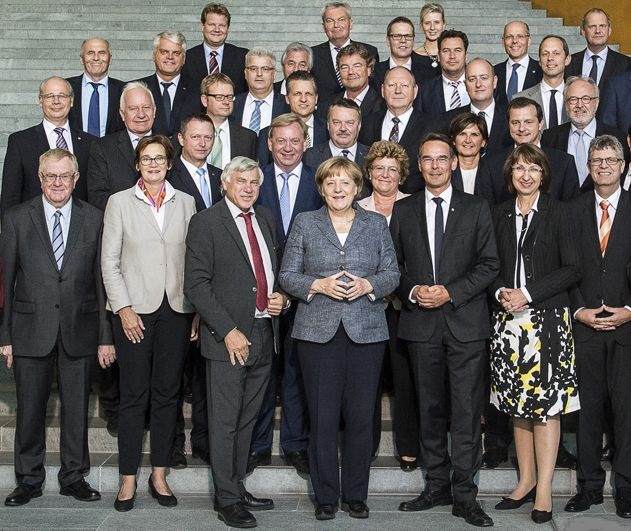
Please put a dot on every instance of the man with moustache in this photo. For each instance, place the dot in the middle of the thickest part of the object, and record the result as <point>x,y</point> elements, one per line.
<point>297,56</point>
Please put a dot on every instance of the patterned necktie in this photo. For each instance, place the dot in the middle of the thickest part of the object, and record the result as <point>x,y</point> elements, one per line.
<point>285,210</point>
<point>216,155</point>
<point>94,111</point>
<point>255,119</point>
<point>512,83</point>
<point>520,244</point>
<point>213,65</point>
<point>593,73</point>
<point>439,228</point>
<point>346,153</point>
<point>58,240</point>
<point>61,141</point>
<point>203,186</point>
<point>394,132</point>
<point>581,156</point>
<point>337,70</point>
<point>605,226</point>
<point>257,259</point>
<point>455,95</point>
<point>309,138</point>
<point>166,102</point>
<point>553,113</point>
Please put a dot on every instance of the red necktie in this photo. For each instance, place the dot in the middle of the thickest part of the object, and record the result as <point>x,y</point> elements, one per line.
<point>257,258</point>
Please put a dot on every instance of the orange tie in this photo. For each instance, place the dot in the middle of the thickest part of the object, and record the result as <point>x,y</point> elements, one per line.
<point>605,226</point>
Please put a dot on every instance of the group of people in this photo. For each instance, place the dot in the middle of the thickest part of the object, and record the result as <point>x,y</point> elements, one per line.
<point>458,222</point>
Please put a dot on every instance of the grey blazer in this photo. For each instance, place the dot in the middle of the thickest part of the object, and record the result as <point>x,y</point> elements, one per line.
<point>534,93</point>
<point>313,251</point>
<point>140,262</point>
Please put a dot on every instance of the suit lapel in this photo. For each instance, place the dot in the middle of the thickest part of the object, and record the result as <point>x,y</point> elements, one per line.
<point>266,230</point>
<point>126,149</point>
<point>324,225</point>
<point>41,139</point>
<point>76,224</point>
<point>508,215</point>
<point>619,229</point>
<point>231,227</point>
<point>420,211</point>
<point>39,222</point>
<point>357,227</point>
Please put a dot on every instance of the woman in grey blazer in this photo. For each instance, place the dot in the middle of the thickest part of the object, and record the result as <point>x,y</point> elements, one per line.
<point>340,263</point>
<point>142,260</point>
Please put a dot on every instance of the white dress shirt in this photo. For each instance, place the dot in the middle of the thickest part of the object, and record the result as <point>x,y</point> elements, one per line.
<point>489,112</point>
<point>172,88</point>
<point>545,98</point>
<point>337,152</point>
<point>224,135</point>
<point>588,62</point>
<point>86,95</point>
<point>192,170</point>
<point>218,57</point>
<point>64,220</point>
<point>293,183</point>
<point>388,124</point>
<point>49,129</point>
<point>521,72</point>
<point>266,110</point>
<point>448,91</point>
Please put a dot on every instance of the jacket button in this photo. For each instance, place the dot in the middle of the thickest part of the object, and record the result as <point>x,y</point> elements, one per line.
<point>527,257</point>
<point>57,306</point>
<point>528,275</point>
<point>253,288</point>
<point>342,252</point>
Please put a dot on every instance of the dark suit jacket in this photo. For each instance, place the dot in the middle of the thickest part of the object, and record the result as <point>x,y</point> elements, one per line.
<point>615,64</point>
<point>534,75</point>
<point>186,102</point>
<point>468,265</point>
<point>42,301</point>
<point>219,280</point>
<point>418,126</point>
<point>563,183</point>
<point>433,97</point>
<point>279,106</point>
<point>308,198</point>
<point>181,180</point>
<point>371,104</point>
<point>603,279</point>
<point>551,261</point>
<point>615,108</point>
<point>232,64</point>
<point>264,155</point>
<point>242,141</point>
<point>456,178</point>
<point>114,89</point>
<point>421,70</point>
<point>21,163</point>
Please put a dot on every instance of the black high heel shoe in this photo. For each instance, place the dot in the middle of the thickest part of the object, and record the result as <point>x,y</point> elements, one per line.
<point>540,517</point>
<point>510,503</point>
<point>166,500</point>
<point>122,506</point>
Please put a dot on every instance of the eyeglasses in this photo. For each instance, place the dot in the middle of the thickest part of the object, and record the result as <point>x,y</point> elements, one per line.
<point>401,36</point>
<point>609,161</point>
<point>533,171</point>
<point>160,160</point>
<point>222,97</point>
<point>442,160</point>
<point>51,96</point>
<point>257,69</point>
<point>385,169</point>
<point>63,177</point>
<point>585,100</point>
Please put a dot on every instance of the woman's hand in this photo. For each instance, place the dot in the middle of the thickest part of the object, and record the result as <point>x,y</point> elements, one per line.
<point>513,300</point>
<point>331,286</point>
<point>132,324</point>
<point>357,287</point>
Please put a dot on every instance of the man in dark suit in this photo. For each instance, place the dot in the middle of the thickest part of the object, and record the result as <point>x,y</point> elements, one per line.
<point>54,321</point>
<point>614,108</point>
<point>447,91</point>
<point>257,108</point>
<point>519,71</point>
<point>581,102</point>
<point>95,108</point>
<point>297,56</point>
<point>231,139</point>
<point>302,97</point>
<point>399,122</point>
<point>215,55</point>
<point>111,167</point>
<point>480,82</point>
<point>175,95</point>
<point>20,179</point>
<point>602,328</point>
<point>447,257</point>
<point>597,60</point>
<point>337,23</point>
<point>230,278</point>
<point>288,189</point>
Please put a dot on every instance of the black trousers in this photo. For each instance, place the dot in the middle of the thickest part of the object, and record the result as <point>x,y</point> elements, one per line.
<point>33,380</point>
<point>150,377</point>
<point>604,373</point>
<point>341,379</point>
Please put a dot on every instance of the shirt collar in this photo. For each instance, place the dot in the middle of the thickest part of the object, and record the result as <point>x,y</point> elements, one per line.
<point>192,169</point>
<point>602,54</point>
<point>547,88</point>
<point>590,128</point>
<point>489,111</point>
<point>49,128</point>
<point>170,192</point>
<point>269,99</point>
<point>208,49</point>
<point>613,199</point>
<point>534,207</point>
<point>445,195</point>
<point>522,62</point>
<point>403,118</point>
<point>332,46</point>
<point>360,97</point>
<point>87,79</point>
<point>407,64</point>
<point>297,171</point>
<point>235,211</point>
<point>49,210</point>
<point>175,80</point>
<point>336,151</point>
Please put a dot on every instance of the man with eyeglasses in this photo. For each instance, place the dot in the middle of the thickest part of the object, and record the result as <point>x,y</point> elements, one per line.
<point>447,256</point>
<point>519,71</point>
<point>337,24</point>
<point>54,322</point>
<point>581,97</point>
<point>257,108</point>
<point>601,307</point>
<point>20,179</point>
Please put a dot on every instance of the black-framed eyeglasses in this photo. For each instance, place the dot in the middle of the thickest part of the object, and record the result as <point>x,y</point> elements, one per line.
<point>221,97</point>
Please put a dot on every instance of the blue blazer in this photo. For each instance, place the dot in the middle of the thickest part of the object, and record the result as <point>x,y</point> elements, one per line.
<point>313,251</point>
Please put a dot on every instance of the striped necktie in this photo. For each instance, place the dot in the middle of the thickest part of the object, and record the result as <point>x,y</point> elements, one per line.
<point>455,95</point>
<point>58,240</point>
<point>605,226</point>
<point>337,70</point>
<point>255,119</point>
<point>213,65</point>
<point>61,141</point>
<point>394,132</point>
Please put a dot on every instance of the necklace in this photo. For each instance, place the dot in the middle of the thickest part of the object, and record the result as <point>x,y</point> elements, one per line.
<point>434,58</point>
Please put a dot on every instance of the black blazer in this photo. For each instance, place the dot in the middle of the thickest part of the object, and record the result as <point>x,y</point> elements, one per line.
<point>456,178</point>
<point>614,108</point>
<point>603,279</point>
<point>279,106</point>
<point>371,104</point>
<point>421,70</point>
<point>468,265</point>
<point>232,64</point>
<point>21,163</point>
<point>534,75</point>
<point>433,97</point>
<point>181,179</point>
<point>563,184</point>
<point>242,141</point>
<point>114,89</point>
<point>551,261</point>
<point>615,64</point>
<point>186,102</point>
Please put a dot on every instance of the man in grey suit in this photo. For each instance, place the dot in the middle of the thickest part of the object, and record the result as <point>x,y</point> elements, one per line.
<point>54,321</point>
<point>230,278</point>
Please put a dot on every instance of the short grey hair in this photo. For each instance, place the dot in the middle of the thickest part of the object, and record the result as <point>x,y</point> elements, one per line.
<point>175,37</point>
<point>55,155</point>
<point>573,79</point>
<point>131,86</point>
<point>259,51</point>
<point>240,165</point>
<point>58,78</point>
<point>335,5</point>
<point>604,142</point>
<point>298,47</point>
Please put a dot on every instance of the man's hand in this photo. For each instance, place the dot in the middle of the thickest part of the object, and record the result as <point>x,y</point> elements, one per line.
<point>132,324</point>
<point>238,347</point>
<point>195,328</point>
<point>276,302</point>
<point>587,316</point>
<point>7,353</point>
<point>107,355</point>
<point>431,296</point>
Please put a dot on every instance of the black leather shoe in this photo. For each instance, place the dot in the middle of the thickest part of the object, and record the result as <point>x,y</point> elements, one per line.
<point>166,500</point>
<point>472,513</point>
<point>508,503</point>
<point>584,500</point>
<point>540,517</point>
<point>356,509</point>
<point>565,459</point>
<point>325,511</point>
<point>122,506</point>
<point>251,503</point>
<point>200,454</point>
<point>623,502</point>
<point>408,466</point>
<point>427,500</point>
<point>258,459</point>
<point>299,460</point>
<point>236,516</point>
<point>80,490</point>
<point>608,452</point>
<point>112,425</point>
<point>178,459</point>
<point>494,456</point>
<point>22,494</point>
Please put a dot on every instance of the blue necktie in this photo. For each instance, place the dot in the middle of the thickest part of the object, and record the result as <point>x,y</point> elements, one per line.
<point>438,235</point>
<point>58,240</point>
<point>512,83</point>
<point>255,119</point>
<point>593,73</point>
<point>581,156</point>
<point>94,111</point>
<point>203,186</point>
<point>285,210</point>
